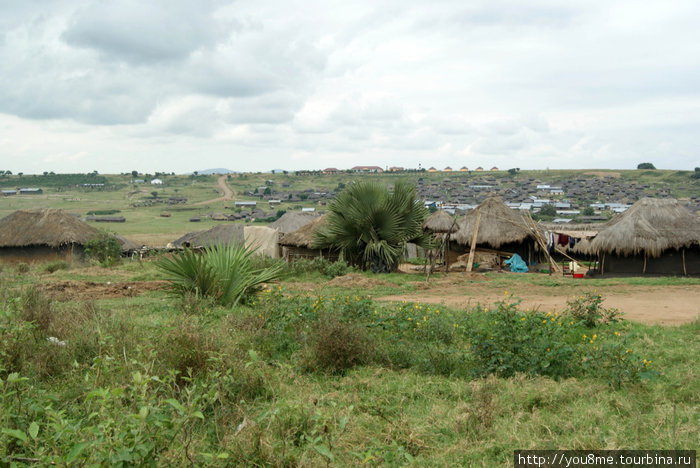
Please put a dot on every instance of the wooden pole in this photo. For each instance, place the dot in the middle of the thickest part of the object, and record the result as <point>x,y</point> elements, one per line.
<point>472,249</point>
<point>644,270</point>
<point>685,272</point>
<point>602,265</point>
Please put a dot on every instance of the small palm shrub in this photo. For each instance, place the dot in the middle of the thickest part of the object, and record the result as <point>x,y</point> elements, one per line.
<point>227,274</point>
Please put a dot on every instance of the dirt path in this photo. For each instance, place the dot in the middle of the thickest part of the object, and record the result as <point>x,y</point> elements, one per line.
<point>666,305</point>
<point>228,194</point>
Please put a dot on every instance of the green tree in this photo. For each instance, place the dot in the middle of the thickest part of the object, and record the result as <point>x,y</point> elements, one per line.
<point>134,174</point>
<point>155,194</point>
<point>548,210</point>
<point>645,165</point>
<point>588,211</point>
<point>371,226</point>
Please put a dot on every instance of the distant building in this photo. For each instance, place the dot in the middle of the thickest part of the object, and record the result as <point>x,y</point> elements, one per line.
<point>9,193</point>
<point>30,191</point>
<point>396,169</point>
<point>331,170</point>
<point>464,169</point>
<point>447,169</point>
<point>138,181</point>
<point>432,169</point>
<point>245,203</point>
<point>479,169</point>
<point>308,210</point>
<point>494,169</point>
<point>156,182</point>
<point>367,169</point>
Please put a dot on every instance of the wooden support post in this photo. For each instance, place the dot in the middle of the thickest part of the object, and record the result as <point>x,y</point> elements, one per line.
<point>685,272</point>
<point>644,270</point>
<point>472,249</point>
<point>602,265</point>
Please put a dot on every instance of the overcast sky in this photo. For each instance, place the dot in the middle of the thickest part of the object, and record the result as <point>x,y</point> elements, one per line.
<point>250,85</point>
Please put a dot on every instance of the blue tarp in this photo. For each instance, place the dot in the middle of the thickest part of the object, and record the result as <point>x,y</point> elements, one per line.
<point>517,264</point>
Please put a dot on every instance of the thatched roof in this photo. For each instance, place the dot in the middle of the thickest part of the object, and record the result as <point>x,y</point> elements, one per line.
<point>651,225</point>
<point>292,220</point>
<point>440,222</point>
<point>499,225</point>
<point>48,226</point>
<point>221,234</point>
<point>304,236</point>
<point>126,244</point>
<point>580,231</point>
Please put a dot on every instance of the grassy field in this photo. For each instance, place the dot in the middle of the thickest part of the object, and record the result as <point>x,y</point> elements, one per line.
<point>144,224</point>
<point>103,366</point>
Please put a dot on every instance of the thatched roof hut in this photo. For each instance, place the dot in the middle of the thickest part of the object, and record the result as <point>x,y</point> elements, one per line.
<point>440,222</point>
<point>300,243</point>
<point>650,227</point>
<point>292,220</point>
<point>221,234</point>
<point>498,225</point>
<point>44,227</point>
<point>304,236</point>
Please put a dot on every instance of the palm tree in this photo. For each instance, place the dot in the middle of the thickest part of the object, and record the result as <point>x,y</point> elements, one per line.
<point>370,226</point>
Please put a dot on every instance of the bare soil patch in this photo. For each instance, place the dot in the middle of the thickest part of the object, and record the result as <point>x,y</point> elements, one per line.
<point>666,305</point>
<point>82,290</point>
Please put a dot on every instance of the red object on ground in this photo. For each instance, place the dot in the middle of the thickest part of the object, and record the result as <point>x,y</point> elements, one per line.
<point>578,275</point>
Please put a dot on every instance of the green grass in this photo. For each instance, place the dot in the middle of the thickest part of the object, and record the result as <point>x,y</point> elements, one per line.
<point>112,386</point>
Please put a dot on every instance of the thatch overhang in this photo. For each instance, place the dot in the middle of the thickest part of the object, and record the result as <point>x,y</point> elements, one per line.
<point>292,220</point>
<point>440,222</point>
<point>304,236</point>
<point>650,226</point>
<point>48,226</point>
<point>498,225</point>
<point>226,234</point>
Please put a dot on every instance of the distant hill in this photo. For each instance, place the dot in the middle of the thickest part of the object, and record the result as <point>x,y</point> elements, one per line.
<point>218,170</point>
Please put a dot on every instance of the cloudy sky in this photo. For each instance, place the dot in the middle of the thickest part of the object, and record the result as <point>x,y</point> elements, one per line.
<point>173,85</point>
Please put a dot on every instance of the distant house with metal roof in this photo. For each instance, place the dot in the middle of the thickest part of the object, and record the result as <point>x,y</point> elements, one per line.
<point>367,169</point>
<point>30,191</point>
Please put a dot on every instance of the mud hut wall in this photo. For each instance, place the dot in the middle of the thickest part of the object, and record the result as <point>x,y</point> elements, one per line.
<point>670,263</point>
<point>290,253</point>
<point>41,254</point>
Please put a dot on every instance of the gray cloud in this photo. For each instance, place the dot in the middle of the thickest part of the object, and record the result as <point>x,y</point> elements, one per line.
<point>591,82</point>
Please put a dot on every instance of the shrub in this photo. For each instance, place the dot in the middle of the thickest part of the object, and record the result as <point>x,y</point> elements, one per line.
<point>56,265</point>
<point>185,348</point>
<point>337,346</point>
<point>22,267</point>
<point>225,273</point>
<point>104,248</point>
<point>506,341</point>
<point>587,308</point>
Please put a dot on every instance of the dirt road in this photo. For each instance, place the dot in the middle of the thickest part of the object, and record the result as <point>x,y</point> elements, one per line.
<point>228,194</point>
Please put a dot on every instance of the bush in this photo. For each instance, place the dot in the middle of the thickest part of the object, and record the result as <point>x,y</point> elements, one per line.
<point>506,341</point>
<point>22,267</point>
<point>105,249</point>
<point>185,348</point>
<point>56,265</point>
<point>587,309</point>
<point>646,165</point>
<point>337,346</point>
<point>227,274</point>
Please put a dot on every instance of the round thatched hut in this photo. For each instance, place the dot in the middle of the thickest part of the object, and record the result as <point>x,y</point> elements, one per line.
<point>46,234</point>
<point>292,220</point>
<point>501,229</point>
<point>442,225</point>
<point>222,234</point>
<point>300,243</point>
<point>655,236</point>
